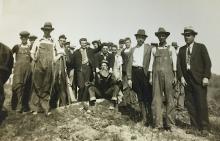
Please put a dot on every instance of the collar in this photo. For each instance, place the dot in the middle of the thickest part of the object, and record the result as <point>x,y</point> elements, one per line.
<point>191,45</point>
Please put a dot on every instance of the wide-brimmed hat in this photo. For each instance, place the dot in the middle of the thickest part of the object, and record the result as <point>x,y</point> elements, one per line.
<point>161,30</point>
<point>189,30</point>
<point>141,32</point>
<point>47,26</point>
<point>24,34</point>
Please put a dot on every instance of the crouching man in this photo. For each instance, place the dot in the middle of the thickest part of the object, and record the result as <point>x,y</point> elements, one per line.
<point>105,86</point>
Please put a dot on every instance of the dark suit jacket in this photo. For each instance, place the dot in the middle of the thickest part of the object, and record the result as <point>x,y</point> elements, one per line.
<point>77,58</point>
<point>125,57</point>
<point>99,58</point>
<point>146,61</point>
<point>200,64</point>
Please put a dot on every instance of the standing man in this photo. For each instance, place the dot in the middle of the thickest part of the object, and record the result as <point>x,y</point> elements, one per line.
<point>22,74</point>
<point>6,64</point>
<point>194,71</point>
<point>45,53</point>
<point>138,76</point>
<point>32,38</point>
<point>104,55</point>
<point>125,55</point>
<point>60,83</point>
<point>84,66</point>
<point>162,77</point>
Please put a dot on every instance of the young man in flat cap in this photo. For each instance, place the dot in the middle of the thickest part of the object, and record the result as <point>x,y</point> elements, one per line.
<point>6,64</point>
<point>138,76</point>
<point>162,70</point>
<point>44,52</point>
<point>84,66</point>
<point>22,75</point>
<point>194,72</point>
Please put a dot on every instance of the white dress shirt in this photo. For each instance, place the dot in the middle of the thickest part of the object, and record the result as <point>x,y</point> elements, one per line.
<point>190,48</point>
<point>138,56</point>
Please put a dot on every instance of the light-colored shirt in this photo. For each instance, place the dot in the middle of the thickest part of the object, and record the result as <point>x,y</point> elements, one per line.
<point>34,50</point>
<point>84,56</point>
<point>188,57</point>
<point>117,69</point>
<point>173,57</point>
<point>138,56</point>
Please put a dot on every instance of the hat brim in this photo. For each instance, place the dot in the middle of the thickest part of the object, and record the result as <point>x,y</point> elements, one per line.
<point>141,35</point>
<point>43,28</point>
<point>193,33</point>
<point>166,33</point>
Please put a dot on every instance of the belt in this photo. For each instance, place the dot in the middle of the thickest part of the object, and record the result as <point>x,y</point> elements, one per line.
<point>137,67</point>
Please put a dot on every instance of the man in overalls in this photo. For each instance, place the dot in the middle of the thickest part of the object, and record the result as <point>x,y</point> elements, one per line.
<point>22,75</point>
<point>45,53</point>
<point>162,76</point>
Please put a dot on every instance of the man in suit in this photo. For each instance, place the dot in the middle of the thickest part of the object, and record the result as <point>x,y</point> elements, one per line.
<point>138,76</point>
<point>194,72</point>
<point>83,63</point>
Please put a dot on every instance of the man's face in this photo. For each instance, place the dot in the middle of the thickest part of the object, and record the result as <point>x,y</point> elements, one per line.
<point>128,43</point>
<point>95,45</point>
<point>83,44</point>
<point>114,50</point>
<point>62,42</point>
<point>162,37</point>
<point>24,40</point>
<point>104,66</point>
<point>121,46</point>
<point>140,39</point>
<point>104,49</point>
<point>31,41</point>
<point>189,38</point>
<point>47,32</point>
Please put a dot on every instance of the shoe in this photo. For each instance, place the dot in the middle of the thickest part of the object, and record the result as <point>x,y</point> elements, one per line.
<point>192,131</point>
<point>204,133</point>
<point>35,113</point>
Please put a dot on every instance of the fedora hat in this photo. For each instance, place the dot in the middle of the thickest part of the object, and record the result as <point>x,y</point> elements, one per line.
<point>141,32</point>
<point>189,30</point>
<point>161,30</point>
<point>47,26</point>
<point>32,37</point>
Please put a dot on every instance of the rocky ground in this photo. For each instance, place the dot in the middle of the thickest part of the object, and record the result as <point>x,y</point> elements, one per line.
<point>74,123</point>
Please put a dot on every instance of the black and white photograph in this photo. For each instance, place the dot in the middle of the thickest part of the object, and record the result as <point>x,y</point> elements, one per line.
<point>109,70</point>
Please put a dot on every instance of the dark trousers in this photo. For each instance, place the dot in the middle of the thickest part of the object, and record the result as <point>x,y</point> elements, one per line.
<point>196,103</point>
<point>111,93</point>
<point>83,76</point>
<point>143,89</point>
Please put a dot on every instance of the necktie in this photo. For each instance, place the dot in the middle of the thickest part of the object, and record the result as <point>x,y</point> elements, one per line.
<point>188,57</point>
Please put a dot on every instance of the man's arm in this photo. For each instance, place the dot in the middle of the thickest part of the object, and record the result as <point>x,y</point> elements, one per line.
<point>207,62</point>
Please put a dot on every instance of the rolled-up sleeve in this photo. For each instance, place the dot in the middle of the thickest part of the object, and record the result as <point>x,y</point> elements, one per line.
<point>152,59</point>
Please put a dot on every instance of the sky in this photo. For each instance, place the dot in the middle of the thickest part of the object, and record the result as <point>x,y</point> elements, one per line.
<point>111,20</point>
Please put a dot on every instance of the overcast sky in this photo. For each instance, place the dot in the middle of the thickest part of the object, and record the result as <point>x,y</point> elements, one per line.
<point>110,20</point>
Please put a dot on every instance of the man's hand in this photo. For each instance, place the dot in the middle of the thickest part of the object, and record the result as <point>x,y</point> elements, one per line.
<point>130,83</point>
<point>174,81</point>
<point>205,81</point>
<point>183,81</point>
<point>97,70</point>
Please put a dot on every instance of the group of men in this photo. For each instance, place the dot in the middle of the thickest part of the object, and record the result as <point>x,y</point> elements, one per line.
<point>48,74</point>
